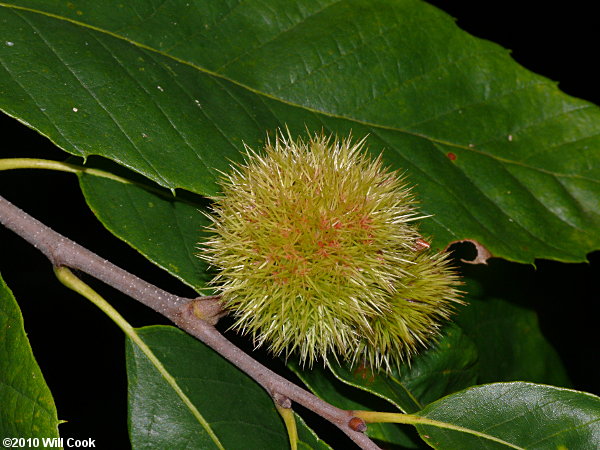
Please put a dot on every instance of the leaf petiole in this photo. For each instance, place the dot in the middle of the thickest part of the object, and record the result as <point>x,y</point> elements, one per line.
<point>410,419</point>
<point>34,163</point>
<point>69,279</point>
<point>287,414</point>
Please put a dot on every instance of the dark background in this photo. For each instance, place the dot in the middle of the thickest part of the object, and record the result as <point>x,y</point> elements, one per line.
<point>81,352</point>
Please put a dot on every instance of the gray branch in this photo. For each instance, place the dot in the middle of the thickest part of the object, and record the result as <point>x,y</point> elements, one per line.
<point>184,312</point>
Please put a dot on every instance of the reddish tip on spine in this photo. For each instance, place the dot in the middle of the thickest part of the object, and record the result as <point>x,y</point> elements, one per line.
<point>421,244</point>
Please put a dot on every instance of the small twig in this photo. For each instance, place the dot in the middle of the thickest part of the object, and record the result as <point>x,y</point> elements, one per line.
<point>70,280</point>
<point>184,312</point>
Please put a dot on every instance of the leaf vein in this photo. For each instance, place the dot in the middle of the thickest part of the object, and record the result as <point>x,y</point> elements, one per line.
<point>34,100</point>
<point>95,97</point>
<point>435,181</point>
<point>516,217</point>
<point>341,56</point>
<point>277,36</point>
<point>564,430</point>
<point>422,76</point>
<point>478,103</point>
<point>207,28</point>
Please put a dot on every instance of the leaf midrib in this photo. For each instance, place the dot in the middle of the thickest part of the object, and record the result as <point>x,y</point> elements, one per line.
<point>137,340</point>
<point>283,101</point>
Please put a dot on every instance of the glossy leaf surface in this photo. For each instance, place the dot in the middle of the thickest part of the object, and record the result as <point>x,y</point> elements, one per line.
<point>164,228</point>
<point>449,366</point>
<point>510,344</point>
<point>498,154</point>
<point>323,384</point>
<point>522,415</point>
<point>239,412</point>
<point>27,408</point>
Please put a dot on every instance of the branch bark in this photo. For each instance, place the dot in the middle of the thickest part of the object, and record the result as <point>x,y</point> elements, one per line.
<point>184,312</point>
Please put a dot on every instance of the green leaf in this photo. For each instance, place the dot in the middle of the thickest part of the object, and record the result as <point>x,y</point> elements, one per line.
<point>307,438</point>
<point>323,384</point>
<point>498,154</point>
<point>449,366</point>
<point>509,342</point>
<point>164,228</point>
<point>523,415</point>
<point>27,409</point>
<point>238,411</point>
